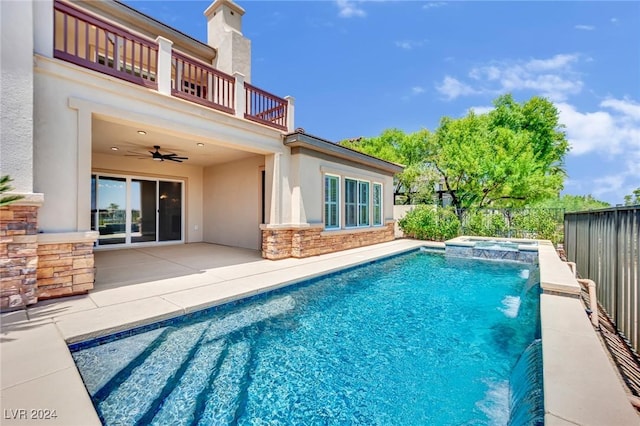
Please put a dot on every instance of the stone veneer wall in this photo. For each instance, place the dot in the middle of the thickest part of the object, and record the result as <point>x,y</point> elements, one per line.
<point>280,243</point>
<point>18,256</point>
<point>64,269</point>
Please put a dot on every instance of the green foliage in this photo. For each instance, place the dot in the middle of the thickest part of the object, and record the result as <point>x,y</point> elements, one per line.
<point>485,223</point>
<point>417,180</point>
<point>571,203</point>
<point>5,186</point>
<point>430,223</point>
<point>632,199</point>
<point>507,158</point>
<point>542,224</point>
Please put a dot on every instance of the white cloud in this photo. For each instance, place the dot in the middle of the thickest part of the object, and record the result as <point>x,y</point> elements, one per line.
<point>554,78</point>
<point>612,136</point>
<point>452,88</point>
<point>625,106</point>
<point>614,130</point>
<point>556,62</point>
<point>416,90</point>
<point>614,20</point>
<point>348,9</point>
<point>409,44</point>
<point>585,27</point>
<point>589,131</point>
<point>482,109</point>
<point>433,5</point>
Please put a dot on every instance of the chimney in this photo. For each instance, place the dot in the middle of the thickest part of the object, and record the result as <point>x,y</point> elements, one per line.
<point>224,33</point>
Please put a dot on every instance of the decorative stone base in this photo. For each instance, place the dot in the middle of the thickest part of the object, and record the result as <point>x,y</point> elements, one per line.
<point>280,243</point>
<point>18,256</point>
<point>65,269</point>
<point>40,266</point>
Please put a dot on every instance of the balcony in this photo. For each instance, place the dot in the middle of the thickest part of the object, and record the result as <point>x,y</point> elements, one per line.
<point>94,43</point>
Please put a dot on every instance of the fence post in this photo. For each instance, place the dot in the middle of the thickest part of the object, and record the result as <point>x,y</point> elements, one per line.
<point>615,274</point>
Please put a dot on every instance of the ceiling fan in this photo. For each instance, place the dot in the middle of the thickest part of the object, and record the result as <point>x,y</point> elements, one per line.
<point>158,156</point>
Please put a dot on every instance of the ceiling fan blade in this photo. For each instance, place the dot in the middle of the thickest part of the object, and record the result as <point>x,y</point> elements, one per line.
<point>174,159</point>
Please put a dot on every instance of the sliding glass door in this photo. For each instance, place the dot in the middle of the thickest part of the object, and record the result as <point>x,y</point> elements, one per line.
<point>130,210</point>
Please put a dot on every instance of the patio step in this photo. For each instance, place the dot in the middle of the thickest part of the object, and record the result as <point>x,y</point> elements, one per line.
<point>180,406</point>
<point>143,388</point>
<point>221,404</point>
<point>108,362</point>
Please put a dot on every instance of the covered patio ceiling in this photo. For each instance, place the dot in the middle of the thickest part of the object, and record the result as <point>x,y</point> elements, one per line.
<point>130,139</point>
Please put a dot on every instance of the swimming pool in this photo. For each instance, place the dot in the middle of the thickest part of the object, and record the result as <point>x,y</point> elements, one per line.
<point>418,338</point>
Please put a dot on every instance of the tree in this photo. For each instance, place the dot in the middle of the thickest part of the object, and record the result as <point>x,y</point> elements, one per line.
<point>509,157</point>
<point>633,198</point>
<point>571,203</point>
<point>417,180</point>
<point>5,186</point>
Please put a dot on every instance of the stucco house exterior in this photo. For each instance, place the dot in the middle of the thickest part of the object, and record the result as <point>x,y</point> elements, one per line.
<point>120,132</point>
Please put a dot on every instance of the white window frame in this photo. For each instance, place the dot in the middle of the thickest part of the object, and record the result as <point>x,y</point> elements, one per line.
<point>379,205</point>
<point>354,204</point>
<point>336,203</point>
<point>366,205</point>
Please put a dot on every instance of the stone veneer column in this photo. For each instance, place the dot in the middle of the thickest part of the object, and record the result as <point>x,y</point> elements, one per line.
<point>18,256</point>
<point>65,264</point>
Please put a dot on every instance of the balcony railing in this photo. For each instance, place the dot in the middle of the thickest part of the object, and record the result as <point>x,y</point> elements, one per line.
<point>90,42</point>
<point>197,82</point>
<point>265,108</point>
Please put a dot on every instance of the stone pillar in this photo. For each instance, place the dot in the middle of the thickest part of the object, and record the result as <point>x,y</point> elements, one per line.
<point>19,253</point>
<point>65,264</point>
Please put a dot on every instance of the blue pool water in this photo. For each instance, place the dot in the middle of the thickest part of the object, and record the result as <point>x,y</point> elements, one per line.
<point>415,339</point>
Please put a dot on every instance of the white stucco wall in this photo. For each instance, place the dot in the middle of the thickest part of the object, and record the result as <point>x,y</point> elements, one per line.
<point>309,172</point>
<point>68,98</point>
<point>232,203</point>
<point>16,93</point>
<point>191,175</point>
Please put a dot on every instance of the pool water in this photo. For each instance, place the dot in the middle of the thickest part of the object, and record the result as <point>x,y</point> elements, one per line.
<point>415,339</point>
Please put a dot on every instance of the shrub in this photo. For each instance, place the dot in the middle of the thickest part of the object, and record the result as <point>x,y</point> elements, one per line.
<point>430,223</point>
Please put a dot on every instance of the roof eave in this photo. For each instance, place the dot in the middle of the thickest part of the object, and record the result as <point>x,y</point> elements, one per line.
<point>314,143</point>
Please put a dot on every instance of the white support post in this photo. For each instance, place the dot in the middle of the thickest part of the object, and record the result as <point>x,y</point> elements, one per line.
<point>43,40</point>
<point>240,97</point>
<point>164,65</point>
<point>290,113</point>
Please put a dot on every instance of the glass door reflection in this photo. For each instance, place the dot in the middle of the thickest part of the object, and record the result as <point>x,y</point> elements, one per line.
<point>112,207</point>
<point>170,211</point>
<point>143,210</point>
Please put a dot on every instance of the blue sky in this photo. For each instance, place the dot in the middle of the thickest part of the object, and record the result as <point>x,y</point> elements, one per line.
<point>356,68</point>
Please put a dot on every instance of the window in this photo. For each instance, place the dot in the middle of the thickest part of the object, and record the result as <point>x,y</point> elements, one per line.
<point>363,203</point>
<point>331,207</point>
<point>351,202</point>
<point>377,204</point>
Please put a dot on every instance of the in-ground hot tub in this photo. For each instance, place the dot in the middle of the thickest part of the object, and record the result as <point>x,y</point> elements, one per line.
<point>493,249</point>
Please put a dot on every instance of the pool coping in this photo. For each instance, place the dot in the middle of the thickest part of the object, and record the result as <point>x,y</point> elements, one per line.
<point>39,372</point>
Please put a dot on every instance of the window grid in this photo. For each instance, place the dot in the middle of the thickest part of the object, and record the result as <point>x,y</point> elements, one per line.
<point>331,205</point>
<point>377,204</point>
<point>363,203</point>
